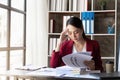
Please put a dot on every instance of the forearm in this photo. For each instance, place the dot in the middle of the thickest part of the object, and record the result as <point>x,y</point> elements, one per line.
<point>57,49</point>
<point>55,60</point>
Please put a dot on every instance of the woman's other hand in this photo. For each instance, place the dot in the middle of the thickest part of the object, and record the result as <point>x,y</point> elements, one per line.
<point>90,64</point>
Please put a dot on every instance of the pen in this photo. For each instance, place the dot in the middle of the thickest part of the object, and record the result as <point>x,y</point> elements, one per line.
<point>44,67</point>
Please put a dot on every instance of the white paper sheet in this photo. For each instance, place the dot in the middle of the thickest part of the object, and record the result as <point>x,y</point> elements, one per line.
<point>29,67</point>
<point>63,71</point>
<point>76,59</point>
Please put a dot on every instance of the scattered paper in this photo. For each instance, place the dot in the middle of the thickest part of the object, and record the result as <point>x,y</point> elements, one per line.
<point>29,68</point>
<point>76,59</point>
<point>67,70</point>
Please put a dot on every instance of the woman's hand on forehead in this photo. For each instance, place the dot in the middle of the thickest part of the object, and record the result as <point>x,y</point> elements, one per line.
<point>65,32</point>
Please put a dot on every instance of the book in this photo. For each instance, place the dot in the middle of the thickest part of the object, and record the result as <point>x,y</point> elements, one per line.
<point>75,5</point>
<point>91,22</point>
<point>53,5</point>
<point>88,22</point>
<point>59,5</point>
<point>53,44</point>
<point>52,24</point>
<point>84,21</point>
<point>65,18</point>
<point>85,5</point>
<point>50,46</point>
<point>64,5</point>
<point>70,8</point>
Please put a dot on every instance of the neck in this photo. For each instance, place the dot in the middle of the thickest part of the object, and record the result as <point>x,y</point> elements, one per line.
<point>80,42</point>
<point>79,45</point>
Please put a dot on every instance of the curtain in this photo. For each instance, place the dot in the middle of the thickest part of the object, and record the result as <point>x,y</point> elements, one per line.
<point>37,29</point>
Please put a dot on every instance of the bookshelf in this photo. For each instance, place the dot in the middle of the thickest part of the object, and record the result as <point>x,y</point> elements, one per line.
<point>102,18</point>
<point>118,35</point>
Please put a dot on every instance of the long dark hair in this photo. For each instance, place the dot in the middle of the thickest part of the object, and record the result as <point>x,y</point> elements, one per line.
<point>76,22</point>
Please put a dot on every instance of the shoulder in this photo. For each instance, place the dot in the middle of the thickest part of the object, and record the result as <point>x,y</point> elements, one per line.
<point>92,42</point>
<point>66,47</point>
<point>67,43</point>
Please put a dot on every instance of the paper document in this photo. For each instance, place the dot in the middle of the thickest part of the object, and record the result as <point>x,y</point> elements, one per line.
<point>63,71</point>
<point>76,59</point>
<point>29,68</point>
<point>44,72</point>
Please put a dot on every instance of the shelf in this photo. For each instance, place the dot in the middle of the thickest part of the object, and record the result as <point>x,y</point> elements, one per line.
<point>96,11</point>
<point>103,34</point>
<point>107,57</point>
<point>86,34</point>
<point>53,33</point>
<point>104,11</point>
<point>59,12</point>
<point>101,20</point>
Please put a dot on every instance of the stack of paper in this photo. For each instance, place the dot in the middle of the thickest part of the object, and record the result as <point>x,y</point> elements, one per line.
<point>77,59</point>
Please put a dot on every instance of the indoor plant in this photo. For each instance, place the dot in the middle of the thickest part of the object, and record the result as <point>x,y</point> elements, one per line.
<point>102,4</point>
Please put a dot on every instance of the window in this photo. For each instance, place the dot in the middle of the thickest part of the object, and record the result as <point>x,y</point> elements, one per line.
<point>12,34</point>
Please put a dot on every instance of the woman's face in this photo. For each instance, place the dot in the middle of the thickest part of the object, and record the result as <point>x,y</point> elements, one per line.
<point>74,33</point>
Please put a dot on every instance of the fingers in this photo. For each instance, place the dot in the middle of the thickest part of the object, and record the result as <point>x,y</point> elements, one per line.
<point>90,64</point>
<point>63,33</point>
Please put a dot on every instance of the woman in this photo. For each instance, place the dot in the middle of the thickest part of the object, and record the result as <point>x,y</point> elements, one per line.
<point>77,42</point>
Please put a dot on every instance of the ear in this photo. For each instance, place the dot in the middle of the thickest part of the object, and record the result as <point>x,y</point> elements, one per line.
<point>81,30</point>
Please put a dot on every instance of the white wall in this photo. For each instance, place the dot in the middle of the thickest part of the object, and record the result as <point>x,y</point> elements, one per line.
<point>37,37</point>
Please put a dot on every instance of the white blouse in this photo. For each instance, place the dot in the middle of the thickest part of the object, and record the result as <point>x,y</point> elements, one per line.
<point>83,50</point>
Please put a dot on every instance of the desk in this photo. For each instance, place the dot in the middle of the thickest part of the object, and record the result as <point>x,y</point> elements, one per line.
<point>29,75</point>
<point>36,75</point>
<point>108,76</point>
